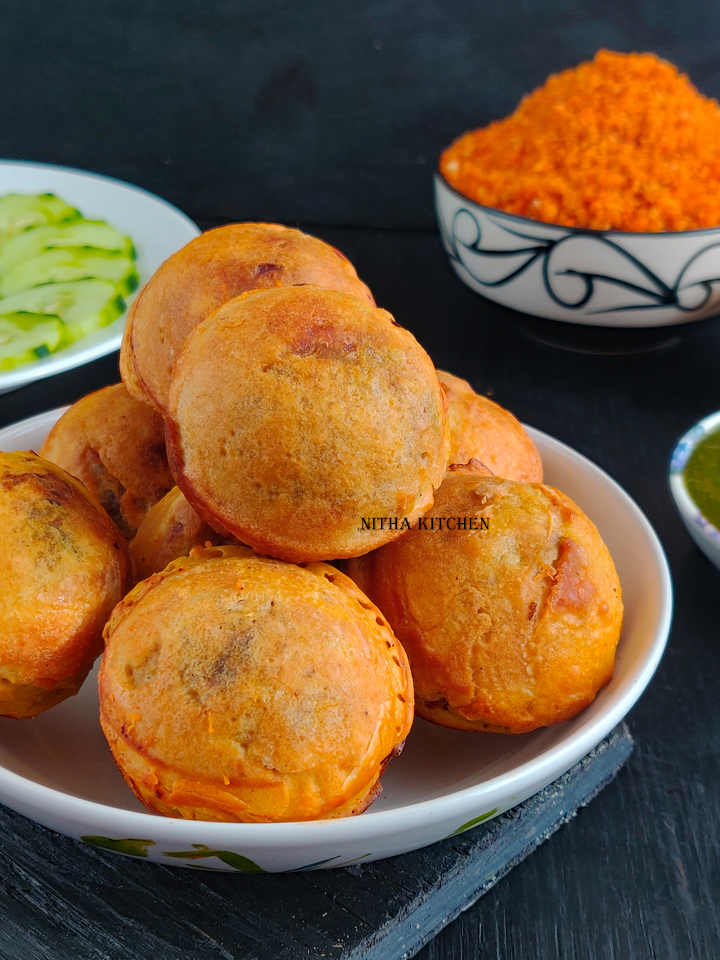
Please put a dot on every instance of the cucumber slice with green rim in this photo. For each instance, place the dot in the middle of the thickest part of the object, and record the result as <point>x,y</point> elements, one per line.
<point>83,305</point>
<point>61,276</point>
<point>19,211</point>
<point>24,245</point>
<point>27,336</point>
<point>78,233</point>
<point>92,233</point>
<point>71,263</point>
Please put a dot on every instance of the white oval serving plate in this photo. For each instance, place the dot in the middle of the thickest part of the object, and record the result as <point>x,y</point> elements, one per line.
<point>156,228</point>
<point>57,768</point>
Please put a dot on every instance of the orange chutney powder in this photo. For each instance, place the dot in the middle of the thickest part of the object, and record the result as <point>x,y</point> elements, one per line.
<point>623,142</point>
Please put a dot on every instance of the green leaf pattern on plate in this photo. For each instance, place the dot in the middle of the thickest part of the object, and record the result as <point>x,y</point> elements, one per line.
<point>473,823</point>
<point>131,847</point>
<point>234,860</point>
<point>134,847</point>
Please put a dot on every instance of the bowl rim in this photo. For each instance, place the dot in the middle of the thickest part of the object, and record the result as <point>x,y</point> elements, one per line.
<point>35,799</point>
<point>590,231</point>
<point>682,451</point>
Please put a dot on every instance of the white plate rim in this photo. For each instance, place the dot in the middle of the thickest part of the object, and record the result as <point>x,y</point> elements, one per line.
<point>20,793</point>
<point>58,362</point>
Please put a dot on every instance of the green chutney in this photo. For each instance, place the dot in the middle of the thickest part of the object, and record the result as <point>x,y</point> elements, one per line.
<point>702,477</point>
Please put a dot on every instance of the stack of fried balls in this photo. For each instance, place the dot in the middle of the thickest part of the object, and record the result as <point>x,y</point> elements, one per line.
<point>253,523</point>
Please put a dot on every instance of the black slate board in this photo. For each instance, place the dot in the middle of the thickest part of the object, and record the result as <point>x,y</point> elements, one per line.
<point>62,901</point>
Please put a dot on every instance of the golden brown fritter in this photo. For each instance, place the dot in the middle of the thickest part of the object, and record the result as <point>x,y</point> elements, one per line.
<point>169,531</point>
<point>116,446</point>
<point>210,270</point>
<point>481,429</point>
<point>507,628</point>
<point>298,413</point>
<point>127,370</point>
<point>65,566</point>
<point>240,688</point>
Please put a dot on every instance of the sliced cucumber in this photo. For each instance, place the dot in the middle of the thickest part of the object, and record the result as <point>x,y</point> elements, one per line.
<point>61,276</point>
<point>79,233</point>
<point>27,336</point>
<point>83,305</point>
<point>71,263</point>
<point>92,233</point>
<point>120,270</point>
<point>24,245</point>
<point>19,211</point>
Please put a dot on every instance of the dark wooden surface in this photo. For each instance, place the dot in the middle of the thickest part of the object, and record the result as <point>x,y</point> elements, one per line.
<point>636,876</point>
<point>325,111</point>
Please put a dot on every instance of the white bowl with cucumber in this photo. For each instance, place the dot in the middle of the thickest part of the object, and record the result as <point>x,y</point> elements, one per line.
<point>75,248</point>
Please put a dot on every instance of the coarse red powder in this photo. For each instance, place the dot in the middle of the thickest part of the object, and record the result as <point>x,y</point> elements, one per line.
<point>623,142</point>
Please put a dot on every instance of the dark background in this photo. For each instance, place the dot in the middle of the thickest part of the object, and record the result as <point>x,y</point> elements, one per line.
<point>332,115</point>
<point>330,112</point>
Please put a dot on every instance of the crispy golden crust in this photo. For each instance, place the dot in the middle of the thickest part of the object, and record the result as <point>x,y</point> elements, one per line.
<point>299,411</point>
<point>127,370</point>
<point>483,430</point>
<point>169,531</point>
<point>240,688</point>
<point>210,270</point>
<point>116,446</point>
<point>507,629</point>
<point>65,566</point>
<point>21,701</point>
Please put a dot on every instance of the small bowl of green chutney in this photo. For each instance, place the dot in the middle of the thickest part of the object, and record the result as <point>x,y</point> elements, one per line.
<point>695,484</point>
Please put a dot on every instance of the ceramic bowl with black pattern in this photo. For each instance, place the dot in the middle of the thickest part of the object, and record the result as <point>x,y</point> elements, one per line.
<point>609,278</point>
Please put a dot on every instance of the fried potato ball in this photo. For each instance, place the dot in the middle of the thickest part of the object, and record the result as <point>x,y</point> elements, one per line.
<point>298,412</point>
<point>65,566</point>
<point>116,446</point>
<point>481,429</point>
<point>240,688</point>
<point>210,270</point>
<point>170,530</point>
<point>507,628</point>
